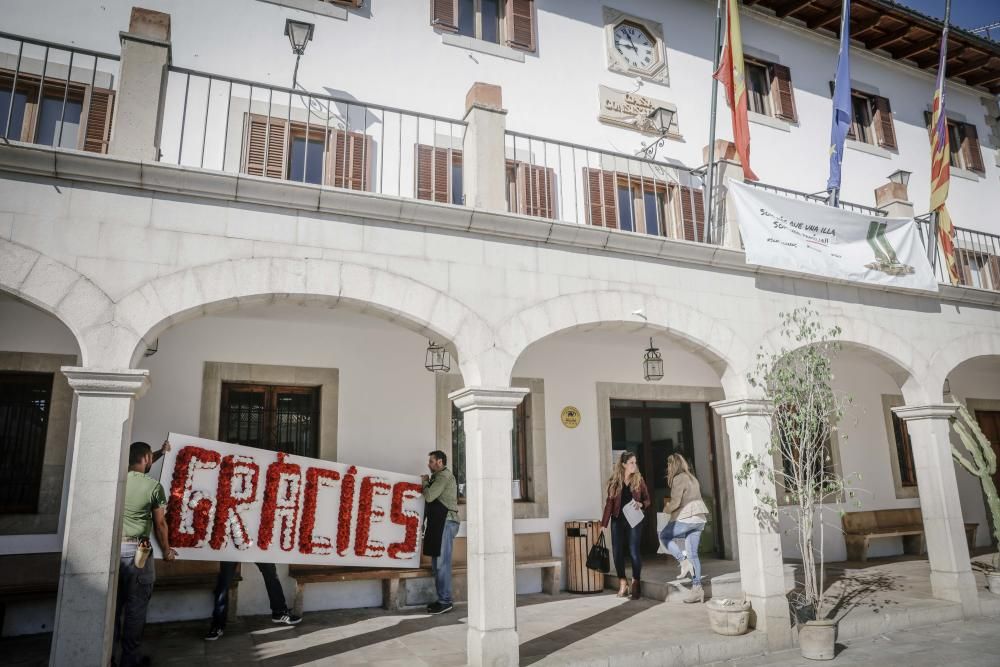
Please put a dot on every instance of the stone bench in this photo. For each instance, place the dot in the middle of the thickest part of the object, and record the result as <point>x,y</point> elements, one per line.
<point>35,576</point>
<point>531,551</point>
<point>860,528</point>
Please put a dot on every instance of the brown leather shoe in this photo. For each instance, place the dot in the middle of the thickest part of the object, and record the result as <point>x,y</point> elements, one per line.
<point>636,591</point>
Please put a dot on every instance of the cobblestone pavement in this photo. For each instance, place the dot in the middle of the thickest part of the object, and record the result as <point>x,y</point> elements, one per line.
<point>974,643</point>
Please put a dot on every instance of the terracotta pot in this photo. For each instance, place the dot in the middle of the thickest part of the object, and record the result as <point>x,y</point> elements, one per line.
<point>993,582</point>
<point>817,640</point>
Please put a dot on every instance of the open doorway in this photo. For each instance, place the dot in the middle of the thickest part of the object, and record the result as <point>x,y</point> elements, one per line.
<point>654,430</point>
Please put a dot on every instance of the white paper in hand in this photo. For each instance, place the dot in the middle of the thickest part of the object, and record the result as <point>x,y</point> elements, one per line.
<point>633,514</point>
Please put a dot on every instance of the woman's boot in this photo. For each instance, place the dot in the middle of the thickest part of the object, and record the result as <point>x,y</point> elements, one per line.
<point>622,587</point>
<point>636,592</point>
<point>697,594</point>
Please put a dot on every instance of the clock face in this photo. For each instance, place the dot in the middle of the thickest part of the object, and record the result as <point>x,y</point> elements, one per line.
<point>635,45</point>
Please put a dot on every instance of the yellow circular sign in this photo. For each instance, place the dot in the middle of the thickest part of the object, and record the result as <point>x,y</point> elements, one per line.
<point>570,417</point>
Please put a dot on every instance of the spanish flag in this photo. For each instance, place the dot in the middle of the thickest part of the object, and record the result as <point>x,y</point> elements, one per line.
<point>731,74</point>
<point>941,162</point>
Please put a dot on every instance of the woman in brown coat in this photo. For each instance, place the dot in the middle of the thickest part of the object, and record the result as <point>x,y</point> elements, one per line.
<point>688,514</point>
<point>625,487</point>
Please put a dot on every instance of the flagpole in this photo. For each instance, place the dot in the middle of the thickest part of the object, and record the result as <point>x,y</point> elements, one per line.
<point>710,175</point>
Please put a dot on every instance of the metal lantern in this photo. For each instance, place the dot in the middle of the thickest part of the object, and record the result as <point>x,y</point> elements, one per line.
<point>900,176</point>
<point>299,33</point>
<point>662,118</point>
<point>652,365</point>
<point>437,359</point>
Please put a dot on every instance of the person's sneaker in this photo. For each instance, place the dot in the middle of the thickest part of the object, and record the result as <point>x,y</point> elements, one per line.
<point>213,634</point>
<point>439,608</point>
<point>286,618</point>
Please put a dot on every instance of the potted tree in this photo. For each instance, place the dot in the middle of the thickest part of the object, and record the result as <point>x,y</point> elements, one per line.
<point>983,465</point>
<point>797,382</point>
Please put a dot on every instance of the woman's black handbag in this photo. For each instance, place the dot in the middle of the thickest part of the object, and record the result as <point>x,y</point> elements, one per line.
<point>599,559</point>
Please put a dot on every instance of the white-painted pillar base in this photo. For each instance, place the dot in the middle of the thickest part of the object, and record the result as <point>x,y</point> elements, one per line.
<point>88,577</point>
<point>762,571</point>
<point>944,529</point>
<point>492,635</point>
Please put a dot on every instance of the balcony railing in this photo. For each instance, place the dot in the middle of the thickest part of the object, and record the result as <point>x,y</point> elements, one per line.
<point>238,126</point>
<point>977,256</point>
<point>56,95</point>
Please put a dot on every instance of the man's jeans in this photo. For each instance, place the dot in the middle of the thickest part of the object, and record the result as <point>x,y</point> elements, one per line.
<point>441,565</point>
<point>135,587</point>
<point>227,571</point>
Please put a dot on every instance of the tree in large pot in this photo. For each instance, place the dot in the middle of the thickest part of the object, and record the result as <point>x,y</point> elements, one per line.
<point>797,381</point>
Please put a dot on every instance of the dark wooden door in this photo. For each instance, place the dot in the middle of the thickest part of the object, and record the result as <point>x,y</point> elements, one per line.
<point>653,431</point>
<point>989,421</point>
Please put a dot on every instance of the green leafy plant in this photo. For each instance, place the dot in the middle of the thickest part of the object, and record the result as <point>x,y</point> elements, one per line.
<point>797,381</point>
<point>983,465</point>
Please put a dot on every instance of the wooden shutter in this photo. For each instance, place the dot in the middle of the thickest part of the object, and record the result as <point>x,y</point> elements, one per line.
<point>602,209</point>
<point>351,160</point>
<point>434,173</point>
<point>962,259</point>
<point>535,190</point>
<point>349,3</point>
<point>782,93</point>
<point>972,156</point>
<point>993,268</point>
<point>519,16</point>
<point>444,14</point>
<point>265,143</point>
<point>97,132</point>
<point>885,132</point>
<point>692,213</point>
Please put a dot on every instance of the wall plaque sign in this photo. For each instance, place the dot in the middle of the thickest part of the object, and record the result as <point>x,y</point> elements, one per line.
<point>632,110</point>
<point>570,417</point>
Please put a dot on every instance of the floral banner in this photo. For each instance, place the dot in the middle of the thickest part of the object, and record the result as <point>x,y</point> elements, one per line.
<point>233,503</point>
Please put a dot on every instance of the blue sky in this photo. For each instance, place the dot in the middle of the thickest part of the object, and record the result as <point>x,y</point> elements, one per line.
<point>964,13</point>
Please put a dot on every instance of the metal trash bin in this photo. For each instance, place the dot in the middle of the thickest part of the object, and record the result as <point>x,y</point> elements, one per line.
<point>580,537</point>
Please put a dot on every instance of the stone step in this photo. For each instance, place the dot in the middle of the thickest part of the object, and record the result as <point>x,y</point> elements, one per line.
<point>722,586</point>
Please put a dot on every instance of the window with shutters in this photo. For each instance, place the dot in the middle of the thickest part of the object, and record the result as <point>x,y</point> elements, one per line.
<point>507,22</point>
<point>531,189</point>
<point>871,120</point>
<point>56,113</point>
<point>520,446</point>
<point>276,148</point>
<point>977,269</point>
<point>963,140</point>
<point>277,418</point>
<point>904,452</point>
<point>438,174</point>
<point>769,89</point>
<point>25,401</point>
<point>638,204</point>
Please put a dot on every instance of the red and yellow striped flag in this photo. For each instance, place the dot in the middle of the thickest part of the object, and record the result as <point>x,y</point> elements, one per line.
<point>732,76</point>
<point>941,164</point>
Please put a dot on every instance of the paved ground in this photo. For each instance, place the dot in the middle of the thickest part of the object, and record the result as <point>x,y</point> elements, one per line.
<point>973,643</point>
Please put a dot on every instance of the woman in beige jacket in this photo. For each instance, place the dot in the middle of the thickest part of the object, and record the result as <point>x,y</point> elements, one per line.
<point>688,515</point>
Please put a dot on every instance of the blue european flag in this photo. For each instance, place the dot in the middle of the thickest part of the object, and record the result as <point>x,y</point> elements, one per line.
<point>841,101</point>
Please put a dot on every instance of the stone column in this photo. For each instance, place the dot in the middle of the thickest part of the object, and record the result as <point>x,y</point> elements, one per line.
<point>894,200</point>
<point>483,159</point>
<point>142,86</point>
<point>88,576</point>
<point>761,567</point>
<point>728,168</point>
<point>944,530</point>
<point>492,634</point>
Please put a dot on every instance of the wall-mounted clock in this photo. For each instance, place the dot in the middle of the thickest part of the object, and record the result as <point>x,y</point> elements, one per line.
<point>635,46</point>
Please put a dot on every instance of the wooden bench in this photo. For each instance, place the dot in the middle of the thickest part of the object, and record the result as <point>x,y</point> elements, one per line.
<point>34,576</point>
<point>531,551</point>
<point>860,528</point>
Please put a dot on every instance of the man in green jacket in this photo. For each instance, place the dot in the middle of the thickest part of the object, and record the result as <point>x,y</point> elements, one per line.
<point>441,526</point>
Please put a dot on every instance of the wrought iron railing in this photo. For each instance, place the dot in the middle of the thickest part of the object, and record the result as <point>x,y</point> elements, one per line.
<point>56,95</point>
<point>977,255</point>
<point>580,184</point>
<point>820,198</point>
<point>234,125</point>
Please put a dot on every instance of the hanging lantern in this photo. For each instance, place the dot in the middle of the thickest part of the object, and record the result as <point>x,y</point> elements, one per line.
<point>437,359</point>
<point>652,365</point>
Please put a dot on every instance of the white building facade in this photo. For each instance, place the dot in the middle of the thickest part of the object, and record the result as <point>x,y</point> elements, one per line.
<point>179,223</point>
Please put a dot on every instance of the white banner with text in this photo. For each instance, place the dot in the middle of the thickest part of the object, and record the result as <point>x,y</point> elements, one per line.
<point>233,503</point>
<point>814,239</point>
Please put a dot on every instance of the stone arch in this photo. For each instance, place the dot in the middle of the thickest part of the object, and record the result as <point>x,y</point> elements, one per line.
<point>211,288</point>
<point>955,352</point>
<point>59,290</point>
<point>885,349</point>
<point>702,333</point>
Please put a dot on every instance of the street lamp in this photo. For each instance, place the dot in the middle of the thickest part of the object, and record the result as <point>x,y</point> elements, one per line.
<point>652,364</point>
<point>437,359</point>
<point>661,119</point>
<point>900,176</point>
<point>299,33</point>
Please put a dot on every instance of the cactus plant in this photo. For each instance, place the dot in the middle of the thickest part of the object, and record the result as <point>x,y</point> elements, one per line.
<point>983,465</point>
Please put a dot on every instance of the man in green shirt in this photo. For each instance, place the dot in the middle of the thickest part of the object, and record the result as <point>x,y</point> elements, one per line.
<point>441,525</point>
<point>144,510</point>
